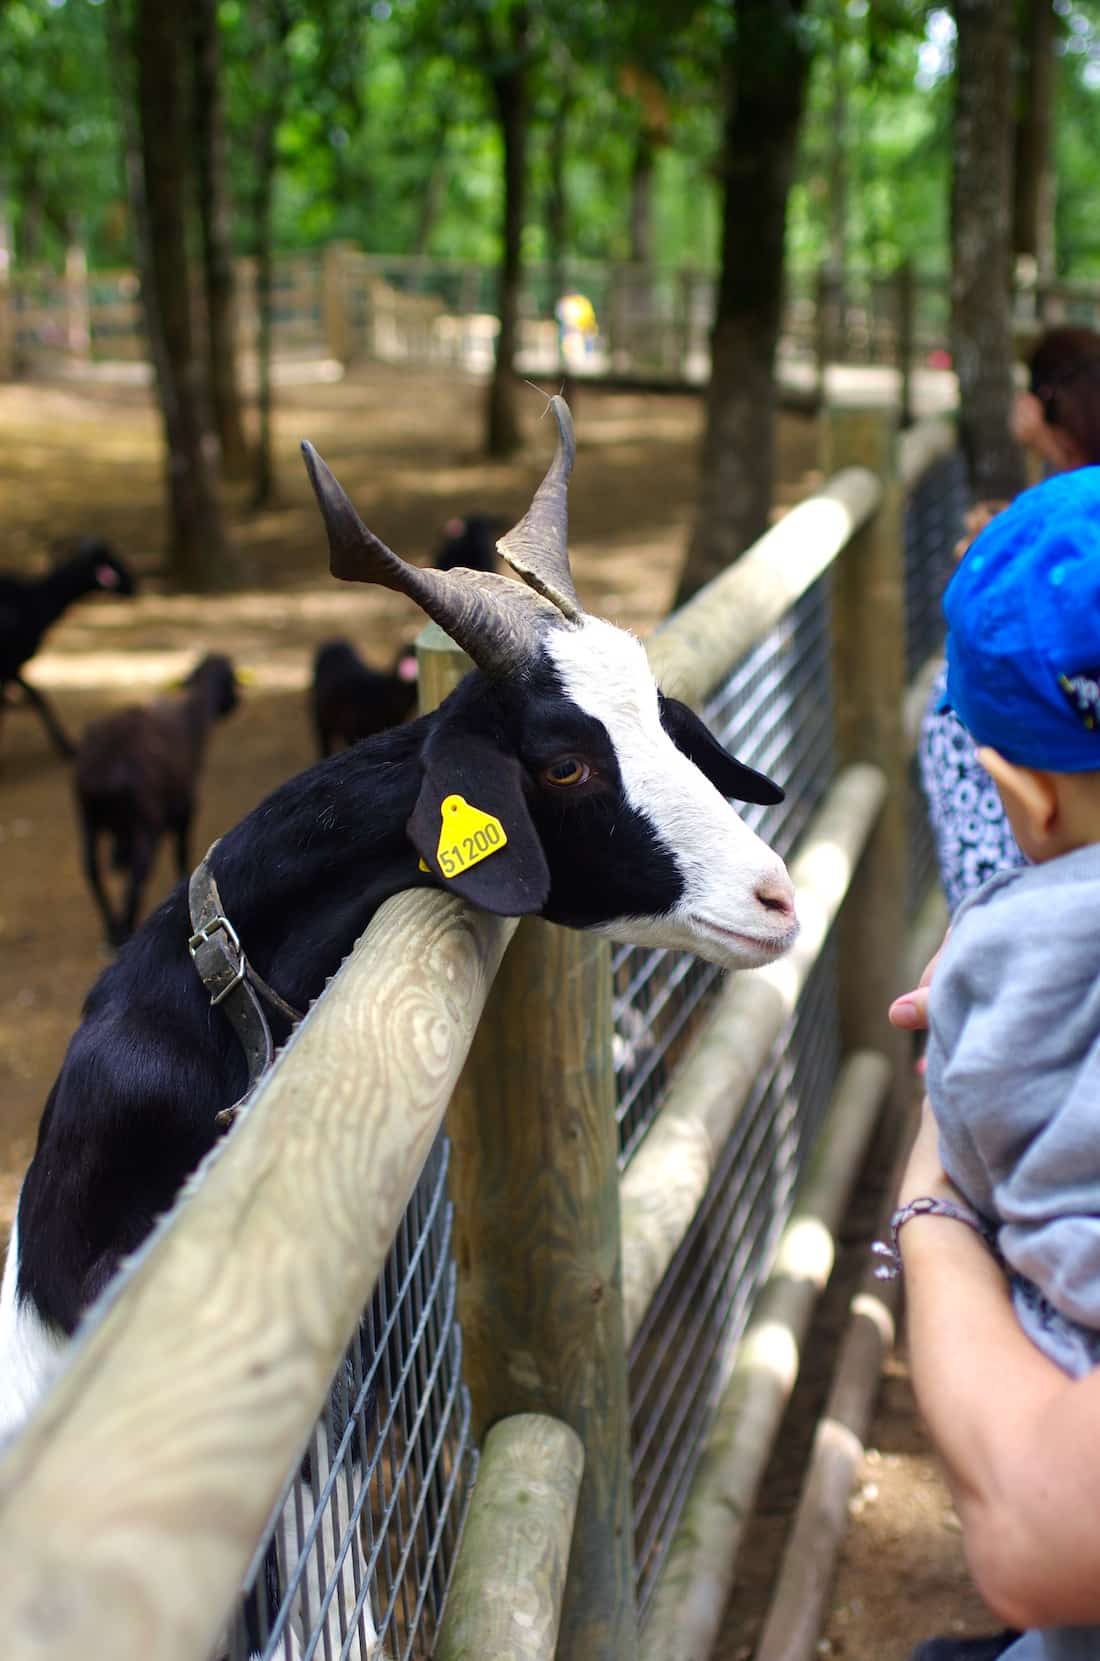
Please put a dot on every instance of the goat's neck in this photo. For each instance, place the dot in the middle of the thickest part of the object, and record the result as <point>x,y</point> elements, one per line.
<point>302,876</point>
<point>55,593</point>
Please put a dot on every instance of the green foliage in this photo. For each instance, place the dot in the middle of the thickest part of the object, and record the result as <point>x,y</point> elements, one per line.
<point>388,133</point>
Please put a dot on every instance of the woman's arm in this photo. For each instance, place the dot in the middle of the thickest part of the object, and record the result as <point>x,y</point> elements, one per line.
<point>1020,1440</point>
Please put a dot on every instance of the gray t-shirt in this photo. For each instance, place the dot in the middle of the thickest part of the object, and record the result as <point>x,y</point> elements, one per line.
<point>1014,1082</point>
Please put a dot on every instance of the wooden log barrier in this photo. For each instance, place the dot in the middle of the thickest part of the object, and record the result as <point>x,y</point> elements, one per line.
<point>696,648</point>
<point>505,1598</point>
<point>665,1181</point>
<point>131,1506</point>
<point>693,1589</point>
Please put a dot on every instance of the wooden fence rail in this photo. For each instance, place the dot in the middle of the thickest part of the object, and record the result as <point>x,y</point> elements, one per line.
<point>132,1505</point>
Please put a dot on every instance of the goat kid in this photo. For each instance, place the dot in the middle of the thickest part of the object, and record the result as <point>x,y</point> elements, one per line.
<point>28,608</point>
<point>350,701</point>
<point>556,780</point>
<point>136,777</point>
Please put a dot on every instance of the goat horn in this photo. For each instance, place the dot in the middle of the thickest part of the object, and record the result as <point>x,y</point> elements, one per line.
<point>491,617</point>
<point>537,547</point>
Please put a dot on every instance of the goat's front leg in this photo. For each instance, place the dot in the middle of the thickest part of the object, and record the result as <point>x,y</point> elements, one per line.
<point>63,744</point>
<point>141,863</point>
<point>111,923</point>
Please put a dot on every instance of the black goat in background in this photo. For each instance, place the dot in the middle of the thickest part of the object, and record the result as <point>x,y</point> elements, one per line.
<point>470,542</point>
<point>28,606</point>
<point>136,777</point>
<point>349,701</point>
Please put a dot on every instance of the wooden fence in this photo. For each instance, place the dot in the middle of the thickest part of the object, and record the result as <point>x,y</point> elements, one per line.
<point>341,304</point>
<point>131,1507</point>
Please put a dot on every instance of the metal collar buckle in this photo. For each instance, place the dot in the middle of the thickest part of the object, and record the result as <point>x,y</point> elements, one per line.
<point>204,935</point>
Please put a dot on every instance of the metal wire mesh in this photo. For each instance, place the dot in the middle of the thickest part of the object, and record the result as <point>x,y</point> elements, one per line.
<point>933,523</point>
<point>935,511</point>
<point>681,1356</point>
<point>358,1556</point>
<point>774,711</point>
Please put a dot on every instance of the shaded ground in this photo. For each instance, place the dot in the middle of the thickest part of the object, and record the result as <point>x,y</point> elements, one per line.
<point>76,460</point>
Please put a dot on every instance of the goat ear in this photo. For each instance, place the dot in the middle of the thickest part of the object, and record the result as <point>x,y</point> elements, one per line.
<point>472,828</point>
<point>728,775</point>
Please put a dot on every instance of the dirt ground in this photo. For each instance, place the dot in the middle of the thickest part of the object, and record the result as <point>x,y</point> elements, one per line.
<point>81,459</point>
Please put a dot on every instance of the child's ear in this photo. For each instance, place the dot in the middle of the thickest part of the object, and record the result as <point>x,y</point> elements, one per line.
<point>1028,794</point>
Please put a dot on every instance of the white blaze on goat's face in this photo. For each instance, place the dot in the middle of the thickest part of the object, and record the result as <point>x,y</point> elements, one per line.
<point>737,904</point>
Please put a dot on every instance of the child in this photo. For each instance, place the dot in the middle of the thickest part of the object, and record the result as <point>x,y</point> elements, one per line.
<point>1014,1043</point>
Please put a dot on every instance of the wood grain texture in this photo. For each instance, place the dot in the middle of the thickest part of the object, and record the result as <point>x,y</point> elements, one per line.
<point>667,1178</point>
<point>691,1595</point>
<point>920,446</point>
<point>695,649</point>
<point>131,1506</point>
<point>535,1183</point>
<point>869,689</point>
<point>505,1599</point>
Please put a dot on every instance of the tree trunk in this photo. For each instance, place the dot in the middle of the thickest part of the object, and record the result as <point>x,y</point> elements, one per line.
<point>981,244</point>
<point>198,554</point>
<point>767,65</point>
<point>1033,215</point>
<point>273,29</point>
<point>642,174</point>
<point>211,175</point>
<point>557,204</point>
<point>510,93</point>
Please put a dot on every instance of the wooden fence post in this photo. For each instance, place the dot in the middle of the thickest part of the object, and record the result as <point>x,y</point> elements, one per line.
<point>906,339</point>
<point>335,320</point>
<point>78,323</point>
<point>869,677</point>
<point>535,1185</point>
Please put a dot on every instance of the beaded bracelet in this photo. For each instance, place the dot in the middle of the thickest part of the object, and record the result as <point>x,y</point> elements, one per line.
<point>926,1206</point>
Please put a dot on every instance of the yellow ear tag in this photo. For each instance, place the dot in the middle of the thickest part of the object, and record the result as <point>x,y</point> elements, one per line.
<point>467,836</point>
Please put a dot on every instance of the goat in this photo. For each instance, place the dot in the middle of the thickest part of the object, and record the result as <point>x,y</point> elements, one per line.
<point>135,779</point>
<point>555,780</point>
<point>470,542</point>
<point>28,607</point>
<point>349,700</point>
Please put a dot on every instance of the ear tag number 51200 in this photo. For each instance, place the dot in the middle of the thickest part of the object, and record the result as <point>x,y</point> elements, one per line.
<point>467,836</point>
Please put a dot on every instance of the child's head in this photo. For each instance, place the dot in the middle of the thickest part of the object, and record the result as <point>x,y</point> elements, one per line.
<point>1023,659</point>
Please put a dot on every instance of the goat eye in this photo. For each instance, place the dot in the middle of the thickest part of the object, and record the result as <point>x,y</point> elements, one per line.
<point>566,771</point>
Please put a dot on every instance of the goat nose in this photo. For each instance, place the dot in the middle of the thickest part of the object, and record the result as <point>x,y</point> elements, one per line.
<point>776,894</point>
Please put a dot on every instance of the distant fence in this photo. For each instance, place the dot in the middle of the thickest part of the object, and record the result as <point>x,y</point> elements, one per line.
<point>340,303</point>
<point>650,1162</point>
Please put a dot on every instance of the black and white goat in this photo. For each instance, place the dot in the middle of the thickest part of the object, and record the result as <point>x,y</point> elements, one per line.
<point>350,701</point>
<point>136,777</point>
<point>29,607</point>
<point>589,799</point>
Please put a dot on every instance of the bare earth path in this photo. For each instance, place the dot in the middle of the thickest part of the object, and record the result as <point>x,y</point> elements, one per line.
<point>86,459</point>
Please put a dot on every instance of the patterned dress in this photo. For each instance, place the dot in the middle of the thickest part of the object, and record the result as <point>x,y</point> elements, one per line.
<point>972,836</point>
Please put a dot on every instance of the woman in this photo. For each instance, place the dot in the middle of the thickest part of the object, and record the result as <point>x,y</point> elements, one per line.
<point>1058,419</point>
<point>1018,1437</point>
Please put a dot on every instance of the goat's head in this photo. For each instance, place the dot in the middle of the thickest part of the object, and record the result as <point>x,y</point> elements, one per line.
<point>106,569</point>
<point>215,681</point>
<point>559,781</point>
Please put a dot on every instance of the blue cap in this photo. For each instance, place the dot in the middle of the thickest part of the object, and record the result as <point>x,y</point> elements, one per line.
<point>1023,628</point>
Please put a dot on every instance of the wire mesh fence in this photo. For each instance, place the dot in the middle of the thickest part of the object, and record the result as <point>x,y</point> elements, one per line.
<point>358,1556</point>
<point>680,1358</point>
<point>934,520</point>
<point>935,512</point>
<point>774,712</point>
